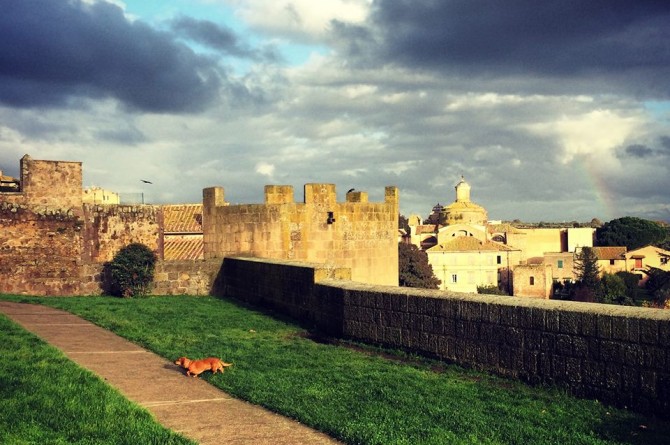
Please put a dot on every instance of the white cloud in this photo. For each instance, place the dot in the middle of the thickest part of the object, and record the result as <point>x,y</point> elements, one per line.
<point>594,134</point>
<point>299,17</point>
<point>265,169</point>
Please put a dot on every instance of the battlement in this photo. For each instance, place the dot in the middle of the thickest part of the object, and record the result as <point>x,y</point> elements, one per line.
<point>356,233</point>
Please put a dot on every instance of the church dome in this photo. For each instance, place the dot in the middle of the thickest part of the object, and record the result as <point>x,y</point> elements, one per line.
<point>463,210</point>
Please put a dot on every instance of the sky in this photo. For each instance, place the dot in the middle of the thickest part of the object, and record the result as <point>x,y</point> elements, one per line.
<point>551,111</point>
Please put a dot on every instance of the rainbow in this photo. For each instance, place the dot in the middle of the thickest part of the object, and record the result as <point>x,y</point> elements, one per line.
<point>601,190</point>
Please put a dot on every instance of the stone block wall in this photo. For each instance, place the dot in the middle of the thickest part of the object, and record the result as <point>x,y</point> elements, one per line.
<point>48,237</point>
<point>48,184</point>
<point>108,228</point>
<point>356,234</point>
<point>619,355</point>
<point>285,286</point>
<point>39,250</point>
<point>186,277</point>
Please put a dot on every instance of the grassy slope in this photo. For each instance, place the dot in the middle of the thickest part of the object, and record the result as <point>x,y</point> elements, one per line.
<point>47,399</point>
<point>354,395</point>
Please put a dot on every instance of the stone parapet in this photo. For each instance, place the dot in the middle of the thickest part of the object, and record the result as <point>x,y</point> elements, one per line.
<point>619,355</point>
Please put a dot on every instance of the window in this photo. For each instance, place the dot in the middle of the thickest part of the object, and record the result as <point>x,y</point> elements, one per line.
<point>454,278</point>
<point>612,262</point>
<point>638,263</point>
<point>664,260</point>
<point>499,259</point>
<point>532,281</point>
<point>560,264</point>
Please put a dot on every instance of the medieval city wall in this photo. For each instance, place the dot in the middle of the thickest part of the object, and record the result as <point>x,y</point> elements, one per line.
<point>47,236</point>
<point>619,355</point>
<point>356,234</point>
<point>42,252</point>
<point>52,244</point>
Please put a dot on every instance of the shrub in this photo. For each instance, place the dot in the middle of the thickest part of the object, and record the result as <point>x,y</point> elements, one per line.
<point>490,289</point>
<point>131,272</point>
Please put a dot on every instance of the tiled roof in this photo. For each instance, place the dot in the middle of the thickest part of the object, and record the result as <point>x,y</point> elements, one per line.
<point>425,228</point>
<point>504,227</point>
<point>610,253</point>
<point>183,248</point>
<point>469,244</point>
<point>182,218</point>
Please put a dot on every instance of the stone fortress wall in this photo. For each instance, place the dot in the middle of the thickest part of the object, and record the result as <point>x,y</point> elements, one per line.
<point>356,234</point>
<point>49,237</point>
<point>52,243</point>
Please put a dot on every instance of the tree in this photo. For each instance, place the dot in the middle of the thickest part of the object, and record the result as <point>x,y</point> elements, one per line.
<point>658,285</point>
<point>596,223</point>
<point>630,232</point>
<point>613,290</point>
<point>414,269</point>
<point>587,274</point>
<point>631,281</point>
<point>403,223</point>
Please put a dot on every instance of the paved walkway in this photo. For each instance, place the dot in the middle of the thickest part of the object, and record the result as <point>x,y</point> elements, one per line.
<point>189,406</point>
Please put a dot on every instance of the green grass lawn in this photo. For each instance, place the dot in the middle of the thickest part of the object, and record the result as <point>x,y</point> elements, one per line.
<point>47,399</point>
<point>357,395</point>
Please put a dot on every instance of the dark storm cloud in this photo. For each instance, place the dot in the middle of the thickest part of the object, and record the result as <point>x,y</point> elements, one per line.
<point>665,143</point>
<point>52,51</point>
<point>219,38</point>
<point>621,41</point>
<point>639,151</point>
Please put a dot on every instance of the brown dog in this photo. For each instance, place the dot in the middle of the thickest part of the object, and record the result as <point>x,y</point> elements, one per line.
<point>196,367</point>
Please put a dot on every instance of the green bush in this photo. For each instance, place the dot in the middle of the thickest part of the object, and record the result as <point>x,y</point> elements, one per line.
<point>490,289</point>
<point>131,272</point>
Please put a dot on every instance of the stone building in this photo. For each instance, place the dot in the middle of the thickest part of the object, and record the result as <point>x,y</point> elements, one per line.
<point>464,262</point>
<point>98,195</point>
<point>546,254</point>
<point>533,280</point>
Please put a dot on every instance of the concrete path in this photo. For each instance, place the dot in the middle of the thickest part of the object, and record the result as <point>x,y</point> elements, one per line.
<point>188,406</point>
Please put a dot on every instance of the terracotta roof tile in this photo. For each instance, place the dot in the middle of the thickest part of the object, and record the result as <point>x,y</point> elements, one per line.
<point>469,244</point>
<point>182,218</point>
<point>504,227</point>
<point>183,248</point>
<point>610,253</point>
<point>426,228</point>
